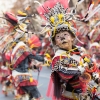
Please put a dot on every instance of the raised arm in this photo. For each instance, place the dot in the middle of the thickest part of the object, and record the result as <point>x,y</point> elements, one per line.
<point>37,57</point>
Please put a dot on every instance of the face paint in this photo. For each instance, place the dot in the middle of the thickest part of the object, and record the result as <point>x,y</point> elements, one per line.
<point>64,40</point>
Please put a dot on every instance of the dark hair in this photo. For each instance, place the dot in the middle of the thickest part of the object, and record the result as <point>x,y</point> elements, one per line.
<point>57,85</point>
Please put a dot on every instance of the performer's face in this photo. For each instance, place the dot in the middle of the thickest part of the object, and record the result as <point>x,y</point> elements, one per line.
<point>64,40</point>
<point>93,50</point>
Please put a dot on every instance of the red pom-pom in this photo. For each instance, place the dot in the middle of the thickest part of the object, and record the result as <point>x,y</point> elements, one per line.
<point>34,40</point>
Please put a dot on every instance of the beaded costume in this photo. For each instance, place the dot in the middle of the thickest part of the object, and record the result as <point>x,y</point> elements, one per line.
<point>72,70</point>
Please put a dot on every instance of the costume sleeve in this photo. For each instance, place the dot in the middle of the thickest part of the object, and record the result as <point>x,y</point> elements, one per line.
<point>23,66</point>
<point>37,57</point>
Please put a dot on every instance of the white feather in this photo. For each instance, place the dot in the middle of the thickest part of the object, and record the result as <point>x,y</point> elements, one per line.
<point>38,2</point>
<point>98,23</point>
<point>91,33</point>
<point>20,18</point>
<point>91,14</point>
<point>79,40</point>
<point>91,6</point>
<point>80,28</point>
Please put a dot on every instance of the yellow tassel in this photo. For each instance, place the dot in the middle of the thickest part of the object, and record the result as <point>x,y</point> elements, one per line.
<point>21,13</point>
<point>9,65</point>
<point>46,64</point>
<point>13,44</point>
<point>32,46</point>
<point>74,97</point>
<point>73,65</point>
<point>22,26</point>
<point>64,53</point>
<point>81,63</point>
<point>69,26</point>
<point>60,16</point>
<point>55,28</point>
<point>86,59</point>
<point>52,19</point>
<point>31,79</point>
<point>47,55</point>
<point>73,49</point>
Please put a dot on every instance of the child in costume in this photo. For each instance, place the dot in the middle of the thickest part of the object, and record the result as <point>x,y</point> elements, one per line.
<point>71,68</point>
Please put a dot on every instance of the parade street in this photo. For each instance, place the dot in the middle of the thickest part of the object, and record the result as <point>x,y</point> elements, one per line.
<point>43,84</point>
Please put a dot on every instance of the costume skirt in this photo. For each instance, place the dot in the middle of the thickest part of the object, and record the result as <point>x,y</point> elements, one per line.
<point>32,91</point>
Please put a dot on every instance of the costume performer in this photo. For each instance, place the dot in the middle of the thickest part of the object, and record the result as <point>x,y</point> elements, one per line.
<point>71,68</point>
<point>23,81</point>
<point>20,61</point>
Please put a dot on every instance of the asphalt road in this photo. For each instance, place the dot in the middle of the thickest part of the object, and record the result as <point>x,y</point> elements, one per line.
<point>42,86</point>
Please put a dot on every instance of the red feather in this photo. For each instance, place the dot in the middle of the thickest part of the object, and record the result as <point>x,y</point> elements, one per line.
<point>35,40</point>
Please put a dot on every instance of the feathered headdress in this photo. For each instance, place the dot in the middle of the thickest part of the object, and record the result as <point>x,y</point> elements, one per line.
<point>59,17</point>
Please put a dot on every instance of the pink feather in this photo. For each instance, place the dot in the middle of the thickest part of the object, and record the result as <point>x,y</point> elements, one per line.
<point>50,3</point>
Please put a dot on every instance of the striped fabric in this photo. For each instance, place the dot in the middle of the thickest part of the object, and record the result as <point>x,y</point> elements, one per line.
<point>75,83</point>
<point>69,75</point>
